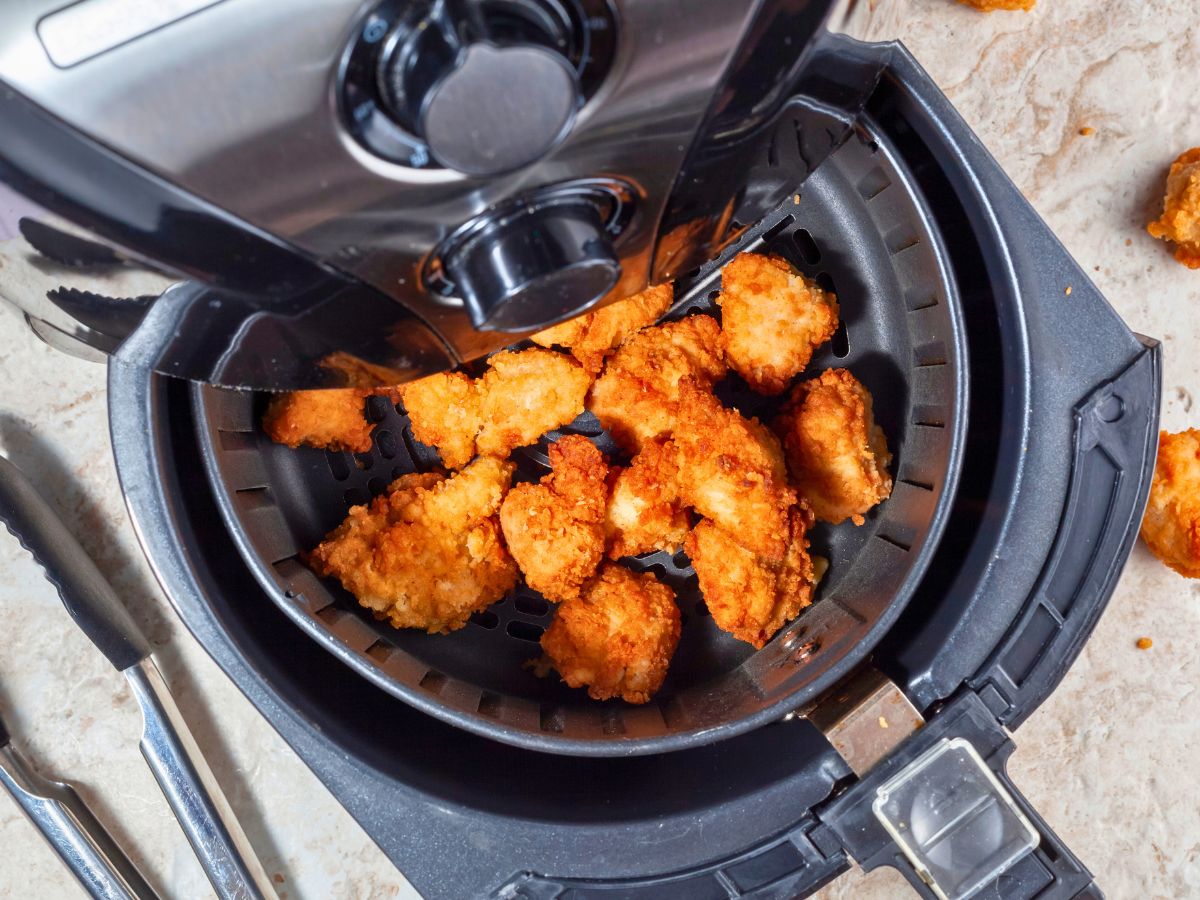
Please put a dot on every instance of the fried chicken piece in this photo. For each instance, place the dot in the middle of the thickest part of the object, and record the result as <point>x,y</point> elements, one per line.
<point>443,410</point>
<point>732,470</point>
<point>428,553</point>
<point>749,596</point>
<point>594,336</point>
<point>617,637</point>
<point>637,396</point>
<point>645,512</point>
<point>836,454</point>
<point>332,419</point>
<point>555,528</point>
<point>520,397</point>
<point>993,5</point>
<point>773,318</point>
<point>1180,220</point>
<point>1171,526</point>
<point>524,395</point>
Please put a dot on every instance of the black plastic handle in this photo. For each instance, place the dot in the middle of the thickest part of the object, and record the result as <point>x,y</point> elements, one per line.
<point>85,593</point>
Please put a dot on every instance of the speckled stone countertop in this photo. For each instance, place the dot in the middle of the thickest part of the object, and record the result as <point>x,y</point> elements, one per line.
<point>1110,759</point>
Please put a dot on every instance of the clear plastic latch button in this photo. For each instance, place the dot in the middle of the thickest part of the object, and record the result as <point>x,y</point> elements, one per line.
<point>954,820</point>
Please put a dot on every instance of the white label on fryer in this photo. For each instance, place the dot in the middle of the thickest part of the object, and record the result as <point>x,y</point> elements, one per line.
<point>91,27</point>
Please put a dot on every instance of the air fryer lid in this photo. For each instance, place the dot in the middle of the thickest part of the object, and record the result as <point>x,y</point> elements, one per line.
<point>858,226</point>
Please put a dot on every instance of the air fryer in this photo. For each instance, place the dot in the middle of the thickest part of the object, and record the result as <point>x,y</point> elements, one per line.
<point>339,208</point>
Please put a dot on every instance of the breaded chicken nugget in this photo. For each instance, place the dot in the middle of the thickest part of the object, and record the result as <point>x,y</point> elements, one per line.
<point>749,596</point>
<point>526,394</point>
<point>645,512</point>
<point>555,529</point>
<point>1180,221</point>
<point>637,396</point>
<point>520,397</point>
<point>993,5</point>
<point>836,454</point>
<point>1171,527</point>
<point>443,410</point>
<point>428,553</point>
<point>773,318</point>
<point>592,337</point>
<point>617,637</point>
<point>330,419</point>
<point>731,470</point>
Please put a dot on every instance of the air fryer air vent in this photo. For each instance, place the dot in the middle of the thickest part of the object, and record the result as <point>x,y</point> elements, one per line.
<point>840,229</point>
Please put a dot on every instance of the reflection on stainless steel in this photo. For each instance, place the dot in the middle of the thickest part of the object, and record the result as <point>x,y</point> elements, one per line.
<point>193,792</point>
<point>83,843</point>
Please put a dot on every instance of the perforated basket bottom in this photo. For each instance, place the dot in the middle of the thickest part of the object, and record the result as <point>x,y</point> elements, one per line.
<point>859,229</point>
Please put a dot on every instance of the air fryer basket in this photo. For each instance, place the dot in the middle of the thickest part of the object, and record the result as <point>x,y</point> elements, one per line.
<point>859,226</point>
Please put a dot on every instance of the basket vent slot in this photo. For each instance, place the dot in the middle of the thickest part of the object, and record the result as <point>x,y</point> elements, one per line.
<point>524,631</point>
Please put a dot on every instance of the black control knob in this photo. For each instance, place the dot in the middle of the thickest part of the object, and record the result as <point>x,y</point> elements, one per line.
<point>533,266</point>
<point>482,107</point>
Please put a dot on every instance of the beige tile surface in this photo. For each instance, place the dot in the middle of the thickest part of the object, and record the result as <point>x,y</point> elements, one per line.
<point>1110,759</point>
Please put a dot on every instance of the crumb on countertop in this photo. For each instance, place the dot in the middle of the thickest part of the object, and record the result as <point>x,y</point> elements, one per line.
<point>1087,131</point>
<point>1144,643</point>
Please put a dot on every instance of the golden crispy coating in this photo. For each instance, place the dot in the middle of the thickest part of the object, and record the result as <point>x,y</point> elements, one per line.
<point>749,596</point>
<point>836,454</point>
<point>1180,221</point>
<point>428,553</point>
<point>592,337</point>
<point>333,419</point>
<point>555,529</point>
<point>617,637</point>
<point>444,412</point>
<point>773,318</point>
<point>993,5</point>
<point>637,396</point>
<point>644,510</point>
<point>520,397</point>
<point>731,470</point>
<point>1171,527</point>
<point>526,394</point>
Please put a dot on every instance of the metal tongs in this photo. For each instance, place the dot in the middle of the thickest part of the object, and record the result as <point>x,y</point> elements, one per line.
<point>167,744</point>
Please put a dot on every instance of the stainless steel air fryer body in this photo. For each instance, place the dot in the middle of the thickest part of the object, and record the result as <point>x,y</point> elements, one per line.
<point>442,174</point>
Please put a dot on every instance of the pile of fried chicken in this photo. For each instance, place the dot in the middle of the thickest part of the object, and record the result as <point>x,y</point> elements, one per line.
<point>738,495</point>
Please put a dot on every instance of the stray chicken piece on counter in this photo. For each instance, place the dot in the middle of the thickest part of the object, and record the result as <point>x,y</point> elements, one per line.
<point>645,512</point>
<point>994,5</point>
<point>521,396</point>
<point>773,318</point>
<point>594,336</point>
<point>748,595</point>
<point>637,397</point>
<point>1180,220</point>
<point>1144,643</point>
<point>1171,525</point>
<point>331,419</point>
<point>555,528</point>
<point>731,470</point>
<point>428,553</point>
<point>837,455</point>
<point>616,638</point>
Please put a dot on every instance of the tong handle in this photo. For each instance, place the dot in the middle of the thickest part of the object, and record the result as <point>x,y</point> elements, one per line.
<point>86,594</point>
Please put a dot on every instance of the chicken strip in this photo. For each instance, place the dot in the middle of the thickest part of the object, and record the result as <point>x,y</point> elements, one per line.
<point>731,470</point>
<point>333,419</point>
<point>526,394</point>
<point>617,637</point>
<point>520,397</point>
<point>443,410</point>
<point>428,553</point>
<point>1171,526</point>
<point>645,512</point>
<point>749,596</point>
<point>836,454</point>
<point>555,529</point>
<point>637,396</point>
<point>594,336</point>
<point>773,318</point>
<point>1180,220</point>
